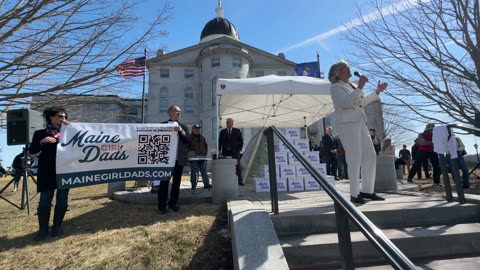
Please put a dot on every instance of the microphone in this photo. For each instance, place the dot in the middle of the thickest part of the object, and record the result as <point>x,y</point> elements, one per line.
<point>356,73</point>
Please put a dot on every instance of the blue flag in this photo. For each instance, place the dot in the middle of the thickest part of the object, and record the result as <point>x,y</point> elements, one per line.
<point>307,69</point>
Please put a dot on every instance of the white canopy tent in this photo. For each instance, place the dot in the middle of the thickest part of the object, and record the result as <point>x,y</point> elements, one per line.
<point>283,101</point>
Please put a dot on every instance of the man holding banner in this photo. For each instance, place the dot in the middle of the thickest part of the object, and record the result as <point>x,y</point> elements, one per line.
<point>174,113</point>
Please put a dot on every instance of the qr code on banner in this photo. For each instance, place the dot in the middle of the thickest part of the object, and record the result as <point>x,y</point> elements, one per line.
<point>153,149</point>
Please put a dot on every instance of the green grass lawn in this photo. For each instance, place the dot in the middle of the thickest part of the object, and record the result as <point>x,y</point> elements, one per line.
<point>104,234</point>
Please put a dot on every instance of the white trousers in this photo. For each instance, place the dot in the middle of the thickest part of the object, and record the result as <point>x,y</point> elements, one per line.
<point>359,153</point>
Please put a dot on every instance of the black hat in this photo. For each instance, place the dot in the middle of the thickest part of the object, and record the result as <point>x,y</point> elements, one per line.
<point>196,126</point>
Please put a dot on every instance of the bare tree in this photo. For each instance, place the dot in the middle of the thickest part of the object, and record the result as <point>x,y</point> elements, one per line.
<point>429,52</point>
<point>69,46</point>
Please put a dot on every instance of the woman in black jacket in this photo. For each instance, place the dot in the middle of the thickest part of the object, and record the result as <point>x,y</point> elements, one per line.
<point>44,143</point>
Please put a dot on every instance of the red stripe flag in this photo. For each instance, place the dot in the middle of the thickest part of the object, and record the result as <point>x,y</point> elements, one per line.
<point>131,68</point>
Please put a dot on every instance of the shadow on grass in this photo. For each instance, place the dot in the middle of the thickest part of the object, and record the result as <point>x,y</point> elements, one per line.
<point>111,215</point>
<point>215,253</point>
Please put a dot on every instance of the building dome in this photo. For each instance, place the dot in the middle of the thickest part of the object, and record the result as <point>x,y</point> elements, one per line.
<point>218,27</point>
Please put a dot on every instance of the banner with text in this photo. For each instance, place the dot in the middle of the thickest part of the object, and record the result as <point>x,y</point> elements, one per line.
<point>98,153</point>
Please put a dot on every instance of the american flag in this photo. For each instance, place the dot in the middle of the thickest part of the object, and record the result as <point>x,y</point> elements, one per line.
<point>130,68</point>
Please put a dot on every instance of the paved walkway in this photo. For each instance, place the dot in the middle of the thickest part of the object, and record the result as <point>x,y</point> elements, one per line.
<point>298,202</point>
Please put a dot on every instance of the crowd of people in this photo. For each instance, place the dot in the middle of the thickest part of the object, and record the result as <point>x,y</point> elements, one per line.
<point>360,144</point>
<point>411,163</point>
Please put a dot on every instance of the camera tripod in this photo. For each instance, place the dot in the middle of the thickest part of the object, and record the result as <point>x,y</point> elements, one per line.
<point>25,193</point>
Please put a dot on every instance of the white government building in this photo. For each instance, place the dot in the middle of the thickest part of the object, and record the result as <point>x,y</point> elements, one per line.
<point>187,77</point>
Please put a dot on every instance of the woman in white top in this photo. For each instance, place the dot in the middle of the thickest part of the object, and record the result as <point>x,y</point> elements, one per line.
<point>350,119</point>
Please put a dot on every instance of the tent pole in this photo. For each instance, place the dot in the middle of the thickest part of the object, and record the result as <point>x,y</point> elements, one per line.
<point>305,126</point>
<point>252,157</point>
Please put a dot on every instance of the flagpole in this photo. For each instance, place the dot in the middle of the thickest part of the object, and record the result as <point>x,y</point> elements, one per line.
<point>143,87</point>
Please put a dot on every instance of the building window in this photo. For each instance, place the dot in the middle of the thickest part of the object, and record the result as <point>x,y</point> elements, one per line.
<point>188,101</point>
<point>237,62</point>
<point>282,73</point>
<point>215,61</point>
<point>259,73</point>
<point>164,73</point>
<point>164,100</point>
<point>188,73</point>
<point>214,92</point>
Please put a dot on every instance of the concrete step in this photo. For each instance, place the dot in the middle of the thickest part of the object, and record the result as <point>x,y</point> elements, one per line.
<point>319,251</point>
<point>404,212</point>
<point>468,263</point>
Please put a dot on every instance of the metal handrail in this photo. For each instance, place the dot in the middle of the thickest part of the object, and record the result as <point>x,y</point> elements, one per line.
<point>343,207</point>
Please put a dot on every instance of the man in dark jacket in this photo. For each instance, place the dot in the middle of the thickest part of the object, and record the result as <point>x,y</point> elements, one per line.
<point>174,113</point>
<point>329,152</point>
<point>199,147</point>
<point>405,155</point>
<point>230,143</point>
<point>424,163</point>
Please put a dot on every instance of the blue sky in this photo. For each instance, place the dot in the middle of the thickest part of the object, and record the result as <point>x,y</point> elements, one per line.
<point>272,26</point>
<point>299,29</point>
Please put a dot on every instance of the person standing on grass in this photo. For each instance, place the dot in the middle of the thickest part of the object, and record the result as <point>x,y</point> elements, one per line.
<point>405,155</point>
<point>44,143</point>
<point>174,113</point>
<point>425,152</point>
<point>200,147</point>
<point>17,165</point>
<point>462,166</point>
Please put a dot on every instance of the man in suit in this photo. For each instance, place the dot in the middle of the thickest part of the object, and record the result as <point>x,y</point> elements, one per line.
<point>230,143</point>
<point>312,146</point>
<point>174,113</point>
<point>330,147</point>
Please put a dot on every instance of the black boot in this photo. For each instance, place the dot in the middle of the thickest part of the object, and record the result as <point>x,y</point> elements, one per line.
<point>43,219</point>
<point>58,216</point>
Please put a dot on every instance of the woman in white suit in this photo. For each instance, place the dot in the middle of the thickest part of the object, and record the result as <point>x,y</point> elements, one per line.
<point>350,122</point>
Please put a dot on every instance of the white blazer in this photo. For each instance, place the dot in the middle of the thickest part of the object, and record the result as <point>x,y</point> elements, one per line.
<point>348,102</point>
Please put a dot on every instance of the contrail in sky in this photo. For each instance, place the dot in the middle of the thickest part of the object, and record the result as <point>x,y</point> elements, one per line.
<point>389,10</point>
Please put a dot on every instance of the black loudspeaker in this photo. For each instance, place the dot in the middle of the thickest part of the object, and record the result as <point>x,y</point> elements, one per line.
<point>21,124</point>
